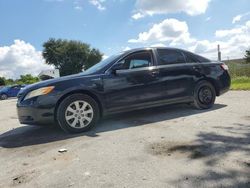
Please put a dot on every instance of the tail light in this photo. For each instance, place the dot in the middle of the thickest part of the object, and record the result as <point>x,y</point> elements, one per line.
<point>224,67</point>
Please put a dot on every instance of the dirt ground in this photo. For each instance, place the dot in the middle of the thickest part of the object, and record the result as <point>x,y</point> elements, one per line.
<point>173,146</point>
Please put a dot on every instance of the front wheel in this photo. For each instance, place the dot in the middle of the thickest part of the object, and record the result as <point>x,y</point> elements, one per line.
<point>204,95</point>
<point>3,97</point>
<point>77,113</point>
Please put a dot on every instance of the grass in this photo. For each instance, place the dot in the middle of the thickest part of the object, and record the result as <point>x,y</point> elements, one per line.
<point>240,83</point>
<point>240,74</point>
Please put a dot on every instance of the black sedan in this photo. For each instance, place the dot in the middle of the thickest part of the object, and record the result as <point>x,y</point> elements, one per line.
<point>135,79</point>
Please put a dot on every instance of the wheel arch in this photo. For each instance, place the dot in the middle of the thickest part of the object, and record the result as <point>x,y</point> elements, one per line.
<point>4,94</point>
<point>213,82</point>
<point>80,91</point>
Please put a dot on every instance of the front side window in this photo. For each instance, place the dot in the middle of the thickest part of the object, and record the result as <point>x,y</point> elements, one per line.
<point>137,60</point>
<point>170,57</point>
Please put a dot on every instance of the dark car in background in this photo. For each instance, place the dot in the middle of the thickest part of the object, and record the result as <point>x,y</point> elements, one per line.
<point>10,91</point>
<point>131,80</point>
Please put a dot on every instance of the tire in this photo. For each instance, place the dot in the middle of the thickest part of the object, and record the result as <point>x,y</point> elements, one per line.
<point>3,97</point>
<point>77,113</point>
<point>204,95</point>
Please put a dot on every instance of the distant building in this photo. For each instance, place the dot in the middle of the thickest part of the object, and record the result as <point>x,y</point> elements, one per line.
<point>49,74</point>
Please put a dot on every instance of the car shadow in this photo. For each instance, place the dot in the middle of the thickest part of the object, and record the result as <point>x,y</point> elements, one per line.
<point>34,135</point>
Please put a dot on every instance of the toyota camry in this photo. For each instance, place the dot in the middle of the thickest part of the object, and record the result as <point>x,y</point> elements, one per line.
<point>131,80</point>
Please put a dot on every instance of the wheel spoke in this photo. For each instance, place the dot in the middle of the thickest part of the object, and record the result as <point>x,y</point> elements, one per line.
<point>70,117</point>
<point>74,122</point>
<point>84,106</point>
<point>70,109</point>
<point>88,111</point>
<point>88,118</point>
<point>77,105</point>
<point>81,123</point>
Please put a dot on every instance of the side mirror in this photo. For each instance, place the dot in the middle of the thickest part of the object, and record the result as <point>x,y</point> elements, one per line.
<point>116,67</point>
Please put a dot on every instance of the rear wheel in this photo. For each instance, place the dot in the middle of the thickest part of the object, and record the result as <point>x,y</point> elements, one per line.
<point>204,95</point>
<point>77,113</point>
<point>4,97</point>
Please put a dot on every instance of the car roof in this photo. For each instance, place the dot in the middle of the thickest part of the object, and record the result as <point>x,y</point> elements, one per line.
<point>151,48</point>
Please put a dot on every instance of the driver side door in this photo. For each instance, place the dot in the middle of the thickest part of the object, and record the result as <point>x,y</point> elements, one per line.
<point>134,85</point>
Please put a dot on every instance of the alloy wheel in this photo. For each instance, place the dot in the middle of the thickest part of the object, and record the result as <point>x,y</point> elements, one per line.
<point>205,95</point>
<point>79,114</point>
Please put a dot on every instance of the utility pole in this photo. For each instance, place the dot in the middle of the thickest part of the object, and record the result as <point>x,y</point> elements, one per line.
<point>219,53</point>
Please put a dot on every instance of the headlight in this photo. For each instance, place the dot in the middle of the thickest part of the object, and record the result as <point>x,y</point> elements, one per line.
<point>38,92</point>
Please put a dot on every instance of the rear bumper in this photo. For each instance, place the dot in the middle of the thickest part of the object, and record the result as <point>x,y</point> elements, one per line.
<point>224,83</point>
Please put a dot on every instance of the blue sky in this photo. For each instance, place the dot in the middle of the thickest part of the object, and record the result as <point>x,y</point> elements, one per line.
<point>109,25</point>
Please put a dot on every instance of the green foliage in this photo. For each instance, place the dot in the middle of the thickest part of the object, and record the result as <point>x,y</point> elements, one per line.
<point>9,82</point>
<point>24,79</point>
<point>2,81</point>
<point>70,57</point>
<point>247,56</point>
<point>239,69</point>
<point>27,79</point>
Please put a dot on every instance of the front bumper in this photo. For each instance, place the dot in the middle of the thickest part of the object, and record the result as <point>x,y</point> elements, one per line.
<point>35,116</point>
<point>37,111</point>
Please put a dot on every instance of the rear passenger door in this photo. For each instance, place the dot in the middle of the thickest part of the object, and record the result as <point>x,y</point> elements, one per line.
<point>175,75</point>
<point>14,91</point>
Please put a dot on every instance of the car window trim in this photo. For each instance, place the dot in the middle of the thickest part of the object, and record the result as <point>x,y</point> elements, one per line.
<point>131,53</point>
<point>176,50</point>
<point>137,69</point>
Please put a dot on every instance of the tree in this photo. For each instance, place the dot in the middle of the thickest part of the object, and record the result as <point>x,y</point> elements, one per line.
<point>247,56</point>
<point>24,79</point>
<point>27,79</point>
<point>2,81</point>
<point>9,82</point>
<point>70,57</point>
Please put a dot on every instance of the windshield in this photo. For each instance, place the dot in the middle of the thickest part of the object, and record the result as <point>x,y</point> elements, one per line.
<point>101,64</point>
<point>4,88</point>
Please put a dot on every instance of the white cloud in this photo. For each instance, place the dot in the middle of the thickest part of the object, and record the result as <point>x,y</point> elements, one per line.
<point>158,45</point>
<point>126,48</point>
<point>171,30</point>
<point>175,33</point>
<point>78,5</point>
<point>190,7</point>
<point>227,33</point>
<point>208,19</point>
<point>243,29</point>
<point>20,58</point>
<point>239,17</point>
<point>104,57</point>
<point>98,4</point>
<point>137,16</point>
<point>233,43</point>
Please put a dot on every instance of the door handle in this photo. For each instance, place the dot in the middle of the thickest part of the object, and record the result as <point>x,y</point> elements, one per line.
<point>154,73</point>
<point>196,68</point>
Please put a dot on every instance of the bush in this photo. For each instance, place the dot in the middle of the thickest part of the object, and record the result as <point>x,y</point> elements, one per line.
<point>239,70</point>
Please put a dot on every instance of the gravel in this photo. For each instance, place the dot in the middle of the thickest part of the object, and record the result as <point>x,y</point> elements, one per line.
<point>172,146</point>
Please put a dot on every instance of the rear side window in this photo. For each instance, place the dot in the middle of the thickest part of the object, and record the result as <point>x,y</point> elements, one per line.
<point>193,58</point>
<point>170,57</point>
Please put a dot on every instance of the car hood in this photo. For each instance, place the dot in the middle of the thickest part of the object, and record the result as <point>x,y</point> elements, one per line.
<point>54,81</point>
